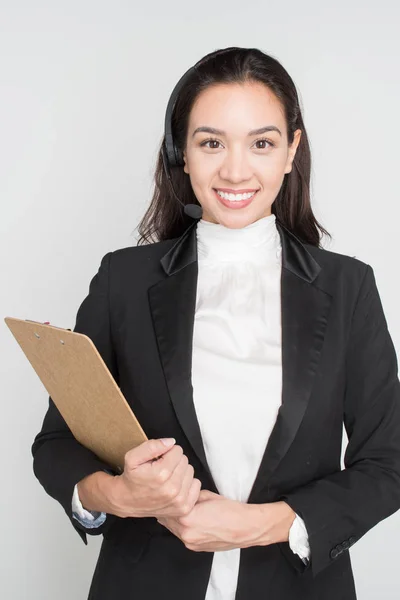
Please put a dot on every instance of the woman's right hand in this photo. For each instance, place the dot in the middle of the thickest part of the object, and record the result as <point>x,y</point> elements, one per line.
<point>157,481</point>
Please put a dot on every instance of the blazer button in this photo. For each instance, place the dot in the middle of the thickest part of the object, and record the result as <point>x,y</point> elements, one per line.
<point>334,553</point>
<point>352,540</point>
<point>339,548</point>
<point>346,544</point>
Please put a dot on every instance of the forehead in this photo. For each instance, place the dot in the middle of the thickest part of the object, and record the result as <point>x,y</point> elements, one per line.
<point>237,107</point>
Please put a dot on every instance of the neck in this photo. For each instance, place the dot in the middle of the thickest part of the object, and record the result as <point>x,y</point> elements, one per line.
<point>259,240</point>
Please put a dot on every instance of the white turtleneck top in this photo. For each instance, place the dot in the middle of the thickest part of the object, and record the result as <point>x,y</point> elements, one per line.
<point>236,371</point>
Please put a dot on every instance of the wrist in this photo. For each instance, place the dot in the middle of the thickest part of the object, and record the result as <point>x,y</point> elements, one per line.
<point>95,492</point>
<point>116,494</point>
<point>273,521</point>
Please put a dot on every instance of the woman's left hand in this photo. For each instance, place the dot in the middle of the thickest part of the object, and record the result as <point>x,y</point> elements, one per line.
<point>217,523</point>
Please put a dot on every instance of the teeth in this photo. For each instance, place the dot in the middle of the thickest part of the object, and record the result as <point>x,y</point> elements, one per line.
<point>235,197</point>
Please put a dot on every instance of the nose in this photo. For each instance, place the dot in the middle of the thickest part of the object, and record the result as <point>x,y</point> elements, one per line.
<point>235,167</point>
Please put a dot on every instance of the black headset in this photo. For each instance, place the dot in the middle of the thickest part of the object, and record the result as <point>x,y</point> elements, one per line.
<point>171,155</point>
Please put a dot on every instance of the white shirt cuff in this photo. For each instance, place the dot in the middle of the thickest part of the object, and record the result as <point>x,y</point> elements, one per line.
<point>78,508</point>
<point>298,538</point>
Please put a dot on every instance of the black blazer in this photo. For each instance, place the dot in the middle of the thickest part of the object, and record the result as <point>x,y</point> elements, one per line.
<point>339,365</point>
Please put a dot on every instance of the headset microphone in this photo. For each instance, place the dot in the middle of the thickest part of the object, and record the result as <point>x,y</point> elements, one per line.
<point>192,210</point>
<point>170,153</point>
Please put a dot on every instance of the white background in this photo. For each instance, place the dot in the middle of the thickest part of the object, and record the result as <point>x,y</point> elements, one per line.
<point>83,91</point>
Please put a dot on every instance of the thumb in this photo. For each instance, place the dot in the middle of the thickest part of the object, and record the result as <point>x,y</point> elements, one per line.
<point>150,450</point>
<point>208,495</point>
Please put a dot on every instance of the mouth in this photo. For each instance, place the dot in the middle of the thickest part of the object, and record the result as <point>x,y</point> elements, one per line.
<point>235,204</point>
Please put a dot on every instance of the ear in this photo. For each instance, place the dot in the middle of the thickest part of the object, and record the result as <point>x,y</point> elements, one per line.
<point>185,168</point>
<point>292,150</point>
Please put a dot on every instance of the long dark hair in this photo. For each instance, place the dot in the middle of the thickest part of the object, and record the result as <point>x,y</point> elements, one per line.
<point>165,219</point>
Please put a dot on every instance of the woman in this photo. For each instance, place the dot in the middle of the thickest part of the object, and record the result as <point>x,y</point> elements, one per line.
<point>236,336</point>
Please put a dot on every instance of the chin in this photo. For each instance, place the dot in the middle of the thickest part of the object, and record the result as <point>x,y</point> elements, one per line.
<point>236,221</point>
<point>239,219</point>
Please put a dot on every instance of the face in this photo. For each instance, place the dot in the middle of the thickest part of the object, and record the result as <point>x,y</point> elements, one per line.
<point>234,157</point>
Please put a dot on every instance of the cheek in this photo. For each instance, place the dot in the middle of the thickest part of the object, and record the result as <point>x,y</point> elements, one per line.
<point>272,172</point>
<point>201,176</point>
<point>197,184</point>
<point>203,165</point>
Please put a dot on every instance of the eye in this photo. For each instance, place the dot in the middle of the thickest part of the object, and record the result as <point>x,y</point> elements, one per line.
<point>264,140</point>
<point>213,140</point>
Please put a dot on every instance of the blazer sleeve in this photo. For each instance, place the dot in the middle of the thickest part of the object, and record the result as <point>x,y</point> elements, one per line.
<point>340,508</point>
<point>59,460</point>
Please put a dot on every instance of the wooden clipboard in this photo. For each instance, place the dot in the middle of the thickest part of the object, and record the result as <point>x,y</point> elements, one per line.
<point>81,386</point>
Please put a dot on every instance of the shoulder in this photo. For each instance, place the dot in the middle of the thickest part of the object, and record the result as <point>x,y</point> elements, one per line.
<point>139,265</point>
<point>339,269</point>
<point>329,259</point>
<point>140,254</point>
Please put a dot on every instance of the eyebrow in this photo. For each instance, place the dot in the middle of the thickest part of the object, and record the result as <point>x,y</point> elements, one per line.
<point>252,132</point>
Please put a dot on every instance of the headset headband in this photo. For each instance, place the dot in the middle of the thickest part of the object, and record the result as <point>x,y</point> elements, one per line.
<point>173,154</point>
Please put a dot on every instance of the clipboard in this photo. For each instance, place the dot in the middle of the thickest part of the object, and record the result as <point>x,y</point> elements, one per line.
<point>82,387</point>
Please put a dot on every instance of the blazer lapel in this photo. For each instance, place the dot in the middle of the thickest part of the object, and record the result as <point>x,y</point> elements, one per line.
<point>304,310</point>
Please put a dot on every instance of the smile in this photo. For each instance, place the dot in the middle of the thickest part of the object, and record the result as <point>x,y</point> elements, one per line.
<point>235,200</point>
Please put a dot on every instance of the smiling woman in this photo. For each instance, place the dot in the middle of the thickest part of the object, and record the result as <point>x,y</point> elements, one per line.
<point>249,346</point>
